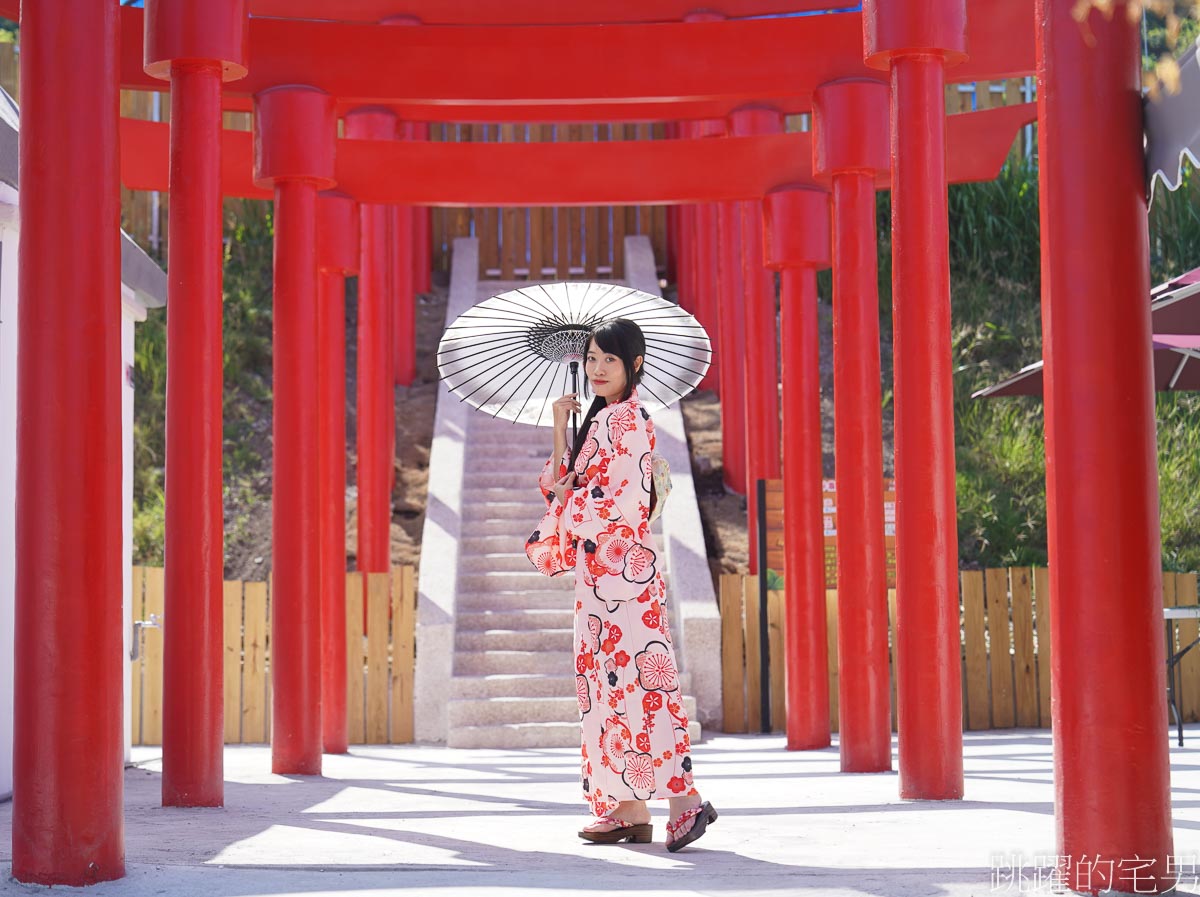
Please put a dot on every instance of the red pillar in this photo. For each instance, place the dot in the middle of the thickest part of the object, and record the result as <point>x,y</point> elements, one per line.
<point>704,220</point>
<point>295,129</point>
<point>762,333</point>
<point>422,229</point>
<point>196,45</point>
<point>685,281</point>
<point>916,41</point>
<point>732,345</point>
<point>1112,773</point>
<point>374,411</point>
<point>337,256</point>
<point>850,148</point>
<point>68,825</point>
<point>404,324</point>
<point>797,243</point>
<point>671,130</point>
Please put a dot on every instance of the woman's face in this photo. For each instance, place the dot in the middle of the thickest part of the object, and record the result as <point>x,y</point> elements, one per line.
<point>606,372</point>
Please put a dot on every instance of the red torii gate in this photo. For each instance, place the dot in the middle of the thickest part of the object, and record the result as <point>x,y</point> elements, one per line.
<point>67,803</point>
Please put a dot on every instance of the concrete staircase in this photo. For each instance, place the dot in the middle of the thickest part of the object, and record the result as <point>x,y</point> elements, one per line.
<point>513,682</point>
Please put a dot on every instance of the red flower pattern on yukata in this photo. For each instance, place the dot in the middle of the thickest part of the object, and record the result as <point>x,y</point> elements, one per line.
<point>634,742</point>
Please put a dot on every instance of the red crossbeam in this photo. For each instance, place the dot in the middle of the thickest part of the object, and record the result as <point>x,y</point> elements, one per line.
<point>584,72</point>
<point>632,172</point>
<point>522,12</point>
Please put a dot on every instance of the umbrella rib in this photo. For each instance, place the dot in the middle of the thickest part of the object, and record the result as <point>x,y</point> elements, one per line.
<point>508,307</point>
<point>605,302</point>
<point>511,356</point>
<point>549,366</point>
<point>1178,372</point>
<point>514,375</point>
<point>638,300</point>
<point>653,393</point>
<point>553,312</point>
<point>483,351</point>
<point>674,391</point>
<point>662,342</point>
<point>512,362</point>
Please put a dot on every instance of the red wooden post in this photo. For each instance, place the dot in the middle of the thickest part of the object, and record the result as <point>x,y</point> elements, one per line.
<point>337,256</point>
<point>916,41</point>
<point>850,148</point>
<point>422,229</point>
<point>796,224</point>
<point>1111,764</point>
<point>761,432</point>
<point>704,217</point>
<point>375,403</point>
<point>68,826</point>
<point>196,45</point>
<point>672,132</point>
<point>404,329</point>
<point>295,129</point>
<point>732,345</point>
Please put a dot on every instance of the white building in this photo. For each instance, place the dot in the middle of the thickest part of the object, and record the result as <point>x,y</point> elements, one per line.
<point>143,286</point>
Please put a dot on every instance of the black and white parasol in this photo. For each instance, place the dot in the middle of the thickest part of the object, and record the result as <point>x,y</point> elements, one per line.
<point>512,355</point>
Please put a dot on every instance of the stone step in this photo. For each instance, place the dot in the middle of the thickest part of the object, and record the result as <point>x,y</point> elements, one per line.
<point>527,735</point>
<point>506,710</point>
<point>512,685</point>
<point>527,494</point>
<point>477,525</point>
<point>503,711</point>
<point>526,580</point>
<point>470,546</point>
<point>514,561</point>
<point>482,621</point>
<point>515,640</point>
<point>515,735</point>
<point>525,514</point>
<point>481,663</point>
<point>487,479</point>
<point>545,599</point>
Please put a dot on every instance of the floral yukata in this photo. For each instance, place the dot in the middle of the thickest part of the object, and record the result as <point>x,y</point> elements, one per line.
<point>634,741</point>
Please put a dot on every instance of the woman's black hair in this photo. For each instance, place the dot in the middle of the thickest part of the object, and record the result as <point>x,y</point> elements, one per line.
<point>623,338</point>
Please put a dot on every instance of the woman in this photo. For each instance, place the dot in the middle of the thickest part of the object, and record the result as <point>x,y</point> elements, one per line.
<point>635,742</point>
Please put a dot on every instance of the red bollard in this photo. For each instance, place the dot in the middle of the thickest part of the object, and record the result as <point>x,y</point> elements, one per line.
<point>68,792</point>
<point>732,346</point>
<point>796,228</point>
<point>375,404</point>
<point>916,41</point>
<point>196,45</point>
<point>294,149</point>
<point>850,149</point>
<point>337,256</point>
<point>1108,680</point>
<point>761,432</point>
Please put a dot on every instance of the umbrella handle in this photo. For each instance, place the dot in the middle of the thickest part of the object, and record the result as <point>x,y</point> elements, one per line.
<point>574,389</point>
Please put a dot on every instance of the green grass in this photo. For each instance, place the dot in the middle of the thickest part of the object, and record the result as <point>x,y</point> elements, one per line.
<point>246,401</point>
<point>996,323</point>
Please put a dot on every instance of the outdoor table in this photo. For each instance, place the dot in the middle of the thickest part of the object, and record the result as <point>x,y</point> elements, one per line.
<point>1189,611</point>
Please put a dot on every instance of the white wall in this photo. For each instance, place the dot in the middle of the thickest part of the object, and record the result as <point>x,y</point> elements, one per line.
<point>131,312</point>
<point>8,472</point>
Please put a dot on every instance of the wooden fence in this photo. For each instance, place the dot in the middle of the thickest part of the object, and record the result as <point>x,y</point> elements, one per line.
<point>379,664</point>
<point>1005,649</point>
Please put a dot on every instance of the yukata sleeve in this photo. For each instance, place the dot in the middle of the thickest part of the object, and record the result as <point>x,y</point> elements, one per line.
<point>549,547</point>
<point>609,515</point>
<point>550,475</point>
<point>616,495</point>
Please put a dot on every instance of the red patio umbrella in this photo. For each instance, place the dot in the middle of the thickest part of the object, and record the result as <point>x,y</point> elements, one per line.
<point>1175,317</point>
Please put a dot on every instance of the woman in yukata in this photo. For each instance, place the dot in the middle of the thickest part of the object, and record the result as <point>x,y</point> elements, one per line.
<point>635,732</point>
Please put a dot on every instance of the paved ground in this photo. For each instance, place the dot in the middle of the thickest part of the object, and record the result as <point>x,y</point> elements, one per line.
<point>418,820</point>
